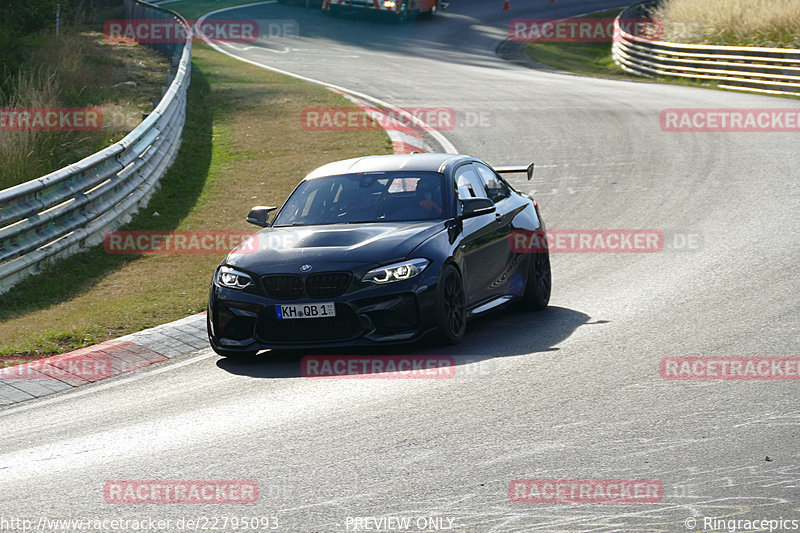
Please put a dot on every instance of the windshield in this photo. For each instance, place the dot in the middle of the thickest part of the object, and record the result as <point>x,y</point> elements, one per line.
<point>365,197</point>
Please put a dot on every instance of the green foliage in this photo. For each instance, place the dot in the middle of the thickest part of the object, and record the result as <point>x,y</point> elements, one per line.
<point>21,19</point>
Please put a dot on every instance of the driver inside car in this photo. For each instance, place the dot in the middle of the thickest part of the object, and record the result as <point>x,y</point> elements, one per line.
<point>430,196</point>
<point>350,200</point>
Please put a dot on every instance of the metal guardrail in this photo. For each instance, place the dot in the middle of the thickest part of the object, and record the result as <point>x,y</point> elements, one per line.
<point>764,70</point>
<point>72,208</point>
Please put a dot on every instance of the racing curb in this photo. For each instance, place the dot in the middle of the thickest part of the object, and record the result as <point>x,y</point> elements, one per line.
<point>405,140</point>
<point>49,375</point>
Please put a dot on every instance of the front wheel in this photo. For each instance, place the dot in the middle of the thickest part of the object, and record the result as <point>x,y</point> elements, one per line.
<point>451,308</point>
<point>539,283</point>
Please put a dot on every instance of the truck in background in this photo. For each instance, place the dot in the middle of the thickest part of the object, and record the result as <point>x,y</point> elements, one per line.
<point>401,10</point>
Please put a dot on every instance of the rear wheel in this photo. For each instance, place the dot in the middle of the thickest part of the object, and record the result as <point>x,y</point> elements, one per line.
<point>539,282</point>
<point>451,308</point>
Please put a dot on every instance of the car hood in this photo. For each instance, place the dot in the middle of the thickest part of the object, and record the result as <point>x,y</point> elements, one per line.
<point>330,247</point>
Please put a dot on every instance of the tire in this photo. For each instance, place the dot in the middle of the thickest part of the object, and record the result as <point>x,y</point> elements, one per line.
<point>539,283</point>
<point>451,307</point>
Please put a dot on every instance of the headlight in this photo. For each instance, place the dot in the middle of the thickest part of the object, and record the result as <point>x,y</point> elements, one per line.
<point>232,278</point>
<point>389,4</point>
<point>397,271</point>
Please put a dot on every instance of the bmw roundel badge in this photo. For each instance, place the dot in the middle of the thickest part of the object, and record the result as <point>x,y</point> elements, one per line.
<point>305,268</point>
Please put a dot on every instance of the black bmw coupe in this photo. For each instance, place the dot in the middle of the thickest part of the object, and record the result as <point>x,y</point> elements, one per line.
<point>379,249</point>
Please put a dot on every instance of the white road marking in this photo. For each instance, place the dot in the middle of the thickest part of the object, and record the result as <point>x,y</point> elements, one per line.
<point>140,374</point>
<point>446,145</point>
<point>285,49</point>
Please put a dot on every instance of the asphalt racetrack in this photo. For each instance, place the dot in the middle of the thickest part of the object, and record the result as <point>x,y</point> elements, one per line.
<point>574,393</point>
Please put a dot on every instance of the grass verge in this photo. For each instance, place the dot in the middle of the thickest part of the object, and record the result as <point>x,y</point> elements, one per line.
<point>594,59</point>
<point>586,58</point>
<point>242,145</point>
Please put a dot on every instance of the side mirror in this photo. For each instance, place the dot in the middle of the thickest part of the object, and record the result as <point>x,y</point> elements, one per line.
<point>475,207</point>
<point>259,215</point>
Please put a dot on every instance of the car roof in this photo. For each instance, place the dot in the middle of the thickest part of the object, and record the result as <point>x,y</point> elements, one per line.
<point>431,162</point>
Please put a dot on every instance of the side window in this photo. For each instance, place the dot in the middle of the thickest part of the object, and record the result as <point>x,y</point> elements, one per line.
<point>496,189</point>
<point>468,183</point>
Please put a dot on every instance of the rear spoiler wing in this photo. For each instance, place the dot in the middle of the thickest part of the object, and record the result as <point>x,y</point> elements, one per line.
<point>528,170</point>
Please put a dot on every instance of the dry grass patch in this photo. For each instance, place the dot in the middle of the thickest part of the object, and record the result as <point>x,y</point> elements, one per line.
<point>771,23</point>
<point>77,69</point>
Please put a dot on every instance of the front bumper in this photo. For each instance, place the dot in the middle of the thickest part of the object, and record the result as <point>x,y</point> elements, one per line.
<point>398,312</point>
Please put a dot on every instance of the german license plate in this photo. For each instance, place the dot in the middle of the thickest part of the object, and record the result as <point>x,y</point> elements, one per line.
<point>314,310</point>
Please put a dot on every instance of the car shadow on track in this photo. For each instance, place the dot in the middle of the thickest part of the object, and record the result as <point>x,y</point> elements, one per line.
<point>500,334</point>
